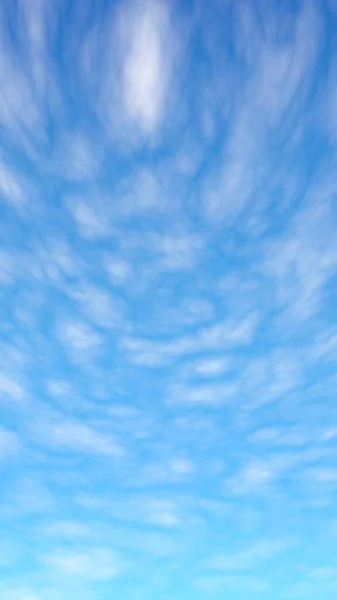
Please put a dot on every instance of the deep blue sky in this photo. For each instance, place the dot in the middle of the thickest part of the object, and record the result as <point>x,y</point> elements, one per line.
<point>168,269</point>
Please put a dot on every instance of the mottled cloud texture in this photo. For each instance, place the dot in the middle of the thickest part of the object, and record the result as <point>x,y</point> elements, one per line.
<point>168,270</point>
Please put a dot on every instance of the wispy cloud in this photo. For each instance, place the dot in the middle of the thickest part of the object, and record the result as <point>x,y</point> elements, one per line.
<point>145,40</point>
<point>97,564</point>
<point>261,551</point>
<point>9,444</point>
<point>72,435</point>
<point>167,285</point>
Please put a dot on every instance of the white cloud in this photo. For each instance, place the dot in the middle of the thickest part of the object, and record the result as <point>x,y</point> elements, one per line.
<point>119,270</point>
<point>25,69</point>
<point>222,335</point>
<point>144,509</point>
<point>329,434</point>
<point>324,475</point>
<point>139,193</point>
<point>216,395</point>
<point>96,564</point>
<point>230,332</point>
<point>182,466</point>
<point>256,476</point>
<point>167,471</point>
<point>206,368</point>
<point>146,44</point>
<point>78,158</point>
<point>20,593</point>
<point>10,389</point>
<point>291,436</point>
<point>138,278</point>
<point>29,496</point>
<point>302,260</point>
<point>180,253</point>
<point>259,552</point>
<point>324,572</point>
<point>98,305</point>
<point>92,223</point>
<point>35,24</point>
<point>283,70</point>
<point>79,339</point>
<point>162,513</point>
<point>66,529</point>
<point>219,583</point>
<point>210,367</point>
<point>267,379</point>
<point>76,436</point>
<point>274,85</point>
<point>8,268</point>
<point>11,187</point>
<point>229,187</point>
<point>9,443</point>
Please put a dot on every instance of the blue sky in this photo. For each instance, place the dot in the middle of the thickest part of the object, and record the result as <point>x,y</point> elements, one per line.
<point>168,271</point>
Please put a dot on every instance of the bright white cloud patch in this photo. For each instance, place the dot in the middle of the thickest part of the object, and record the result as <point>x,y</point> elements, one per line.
<point>147,50</point>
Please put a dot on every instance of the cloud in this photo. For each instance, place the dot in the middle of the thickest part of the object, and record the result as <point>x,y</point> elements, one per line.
<point>169,470</point>
<point>179,252</point>
<point>230,186</point>
<point>292,436</point>
<point>145,509</point>
<point>11,389</point>
<point>168,298</point>
<point>301,262</point>
<point>146,44</point>
<point>324,572</point>
<point>98,305</point>
<point>11,187</point>
<point>8,268</point>
<point>22,593</point>
<point>80,161</point>
<point>285,70</point>
<point>200,394</point>
<point>118,269</point>
<point>92,224</point>
<point>75,436</point>
<point>93,564</point>
<point>281,62</point>
<point>66,529</point>
<point>182,466</point>
<point>79,340</point>
<point>268,93</point>
<point>269,378</point>
<point>256,477</point>
<point>258,553</point>
<point>163,514</point>
<point>9,444</point>
<point>210,367</point>
<point>26,70</point>
<point>28,496</point>
<point>223,335</point>
<point>218,583</point>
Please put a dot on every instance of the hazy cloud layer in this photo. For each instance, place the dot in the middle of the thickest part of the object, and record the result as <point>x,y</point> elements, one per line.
<point>168,268</point>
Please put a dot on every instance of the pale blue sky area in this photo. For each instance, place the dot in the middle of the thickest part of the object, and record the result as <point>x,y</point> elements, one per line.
<point>168,273</point>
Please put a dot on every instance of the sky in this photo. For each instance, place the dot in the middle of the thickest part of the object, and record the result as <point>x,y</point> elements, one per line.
<point>168,272</point>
